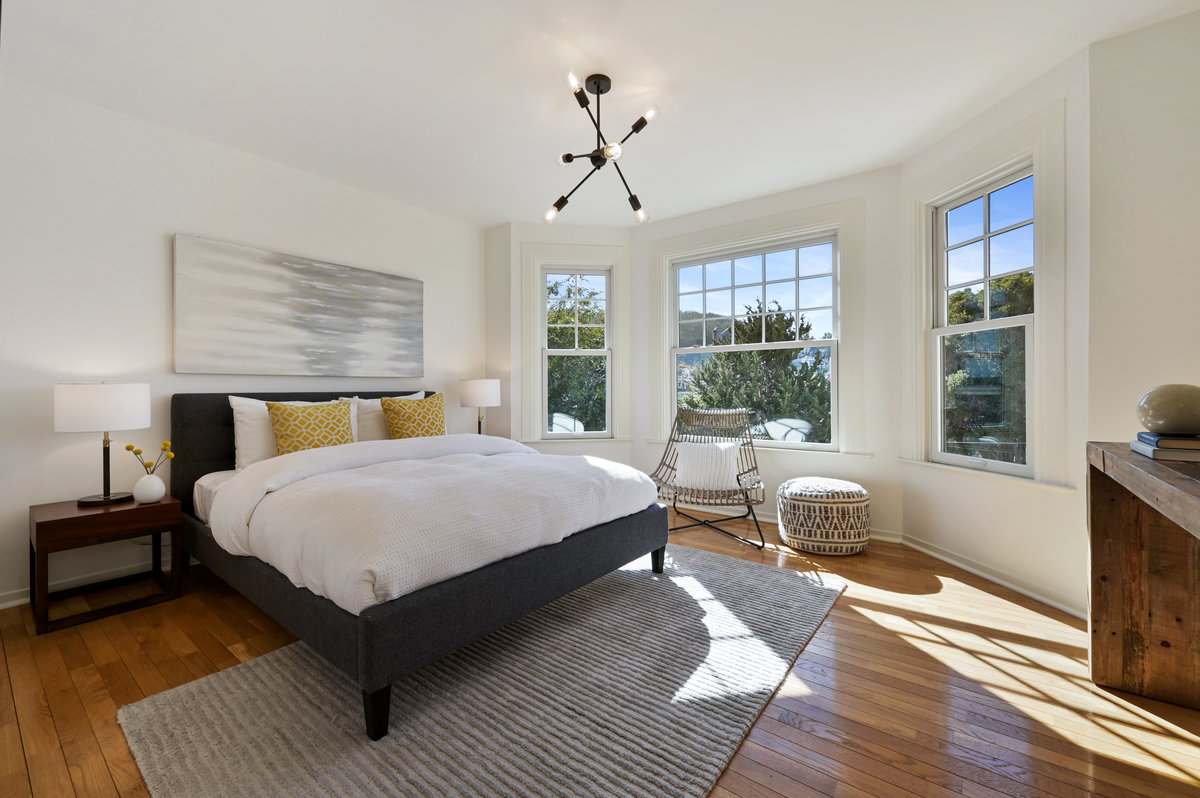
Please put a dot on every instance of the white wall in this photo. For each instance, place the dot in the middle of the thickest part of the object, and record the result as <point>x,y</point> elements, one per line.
<point>514,351</point>
<point>1028,533</point>
<point>1145,105</point>
<point>89,202</point>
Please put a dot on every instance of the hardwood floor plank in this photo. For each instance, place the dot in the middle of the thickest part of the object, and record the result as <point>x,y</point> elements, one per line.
<point>172,669</point>
<point>870,690</point>
<point>179,643</point>
<point>733,781</point>
<point>80,749</point>
<point>136,660</point>
<point>778,756</point>
<point>102,715</point>
<point>14,776</point>
<point>44,760</point>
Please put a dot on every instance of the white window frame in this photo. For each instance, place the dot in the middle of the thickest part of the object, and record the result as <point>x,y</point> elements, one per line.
<point>607,351</point>
<point>941,328</point>
<point>758,248</point>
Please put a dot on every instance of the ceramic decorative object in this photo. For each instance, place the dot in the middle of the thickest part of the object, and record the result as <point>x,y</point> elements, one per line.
<point>149,489</point>
<point>1171,410</point>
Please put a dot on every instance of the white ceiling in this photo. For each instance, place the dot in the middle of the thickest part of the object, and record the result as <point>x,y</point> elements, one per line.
<point>461,107</point>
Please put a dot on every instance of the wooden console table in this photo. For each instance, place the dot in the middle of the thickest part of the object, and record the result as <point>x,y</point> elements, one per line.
<point>1144,526</point>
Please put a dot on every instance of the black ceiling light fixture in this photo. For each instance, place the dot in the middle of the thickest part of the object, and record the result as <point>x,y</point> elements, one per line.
<point>605,151</point>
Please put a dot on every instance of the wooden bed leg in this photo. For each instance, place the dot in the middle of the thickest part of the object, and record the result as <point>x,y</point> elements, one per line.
<point>376,707</point>
<point>656,559</point>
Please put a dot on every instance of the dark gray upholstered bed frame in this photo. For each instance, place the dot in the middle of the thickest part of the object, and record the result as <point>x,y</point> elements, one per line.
<point>389,640</point>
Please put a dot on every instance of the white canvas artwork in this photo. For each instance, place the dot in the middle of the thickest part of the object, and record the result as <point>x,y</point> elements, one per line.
<point>241,310</point>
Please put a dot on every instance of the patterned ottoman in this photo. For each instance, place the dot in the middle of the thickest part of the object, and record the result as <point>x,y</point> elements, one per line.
<point>824,516</point>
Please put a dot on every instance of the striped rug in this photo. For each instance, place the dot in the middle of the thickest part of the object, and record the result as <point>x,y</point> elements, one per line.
<point>635,685</point>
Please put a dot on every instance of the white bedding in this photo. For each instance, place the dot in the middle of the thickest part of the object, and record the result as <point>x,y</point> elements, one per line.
<point>205,489</point>
<point>364,523</point>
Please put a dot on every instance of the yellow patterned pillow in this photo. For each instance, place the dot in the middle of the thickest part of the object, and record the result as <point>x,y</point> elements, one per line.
<point>311,426</point>
<point>415,418</point>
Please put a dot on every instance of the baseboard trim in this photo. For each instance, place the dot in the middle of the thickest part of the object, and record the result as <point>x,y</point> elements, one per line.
<point>15,598</point>
<point>1001,578</point>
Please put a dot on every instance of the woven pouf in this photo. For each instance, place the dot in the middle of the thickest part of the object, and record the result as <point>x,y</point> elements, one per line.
<point>824,516</point>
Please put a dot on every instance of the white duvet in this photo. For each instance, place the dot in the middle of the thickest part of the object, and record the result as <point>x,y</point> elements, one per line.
<point>364,523</point>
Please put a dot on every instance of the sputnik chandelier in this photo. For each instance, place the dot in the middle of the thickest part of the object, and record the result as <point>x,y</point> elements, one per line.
<point>605,151</point>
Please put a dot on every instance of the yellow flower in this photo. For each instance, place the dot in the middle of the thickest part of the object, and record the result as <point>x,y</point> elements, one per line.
<point>149,464</point>
<point>170,455</point>
<point>129,447</point>
<point>137,452</point>
<point>166,444</point>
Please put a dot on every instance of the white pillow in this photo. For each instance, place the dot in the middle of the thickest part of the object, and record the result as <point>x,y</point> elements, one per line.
<point>707,466</point>
<point>253,435</point>
<point>372,426</point>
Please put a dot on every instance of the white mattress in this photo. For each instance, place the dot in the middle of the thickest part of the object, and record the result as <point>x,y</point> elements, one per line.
<point>205,489</point>
<point>364,523</point>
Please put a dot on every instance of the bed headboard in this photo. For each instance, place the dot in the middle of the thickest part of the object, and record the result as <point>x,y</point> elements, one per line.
<point>202,431</point>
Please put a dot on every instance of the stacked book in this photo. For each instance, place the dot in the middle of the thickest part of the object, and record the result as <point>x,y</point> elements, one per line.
<point>1167,447</point>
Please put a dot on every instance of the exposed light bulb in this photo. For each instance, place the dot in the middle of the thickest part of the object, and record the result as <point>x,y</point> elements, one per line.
<point>574,81</point>
<point>612,151</point>
<point>552,212</point>
<point>636,204</point>
<point>651,112</point>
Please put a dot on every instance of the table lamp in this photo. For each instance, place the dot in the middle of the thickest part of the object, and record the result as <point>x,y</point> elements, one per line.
<point>101,407</point>
<point>479,393</point>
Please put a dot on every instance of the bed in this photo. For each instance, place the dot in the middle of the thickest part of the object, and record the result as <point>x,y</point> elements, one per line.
<point>386,641</point>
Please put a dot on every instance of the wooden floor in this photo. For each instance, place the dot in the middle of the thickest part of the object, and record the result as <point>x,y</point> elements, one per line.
<point>924,680</point>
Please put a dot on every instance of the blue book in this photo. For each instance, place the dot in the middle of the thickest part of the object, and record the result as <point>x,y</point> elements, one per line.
<point>1189,455</point>
<point>1170,441</point>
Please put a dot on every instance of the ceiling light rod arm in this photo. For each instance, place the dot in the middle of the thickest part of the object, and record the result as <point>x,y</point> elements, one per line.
<point>595,169</point>
<point>600,140</point>
<point>622,174</point>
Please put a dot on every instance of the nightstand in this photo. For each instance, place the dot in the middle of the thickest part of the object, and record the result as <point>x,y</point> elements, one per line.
<point>61,526</point>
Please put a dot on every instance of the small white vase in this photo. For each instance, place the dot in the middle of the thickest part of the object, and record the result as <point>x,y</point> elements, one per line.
<point>149,489</point>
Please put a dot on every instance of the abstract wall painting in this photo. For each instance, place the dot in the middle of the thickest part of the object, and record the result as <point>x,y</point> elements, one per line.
<point>241,310</point>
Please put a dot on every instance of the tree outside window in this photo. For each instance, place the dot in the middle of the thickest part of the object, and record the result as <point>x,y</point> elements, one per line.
<point>757,331</point>
<point>576,354</point>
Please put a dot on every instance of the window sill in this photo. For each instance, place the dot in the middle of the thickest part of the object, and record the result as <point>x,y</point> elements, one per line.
<point>783,447</point>
<point>1032,482</point>
<point>539,441</point>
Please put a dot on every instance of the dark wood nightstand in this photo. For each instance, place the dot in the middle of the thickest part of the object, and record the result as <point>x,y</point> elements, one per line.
<point>61,526</point>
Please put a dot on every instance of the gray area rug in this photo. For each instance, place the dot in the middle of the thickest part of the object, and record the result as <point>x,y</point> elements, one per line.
<point>636,685</point>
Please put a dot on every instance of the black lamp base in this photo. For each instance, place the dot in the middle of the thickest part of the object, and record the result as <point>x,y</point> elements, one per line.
<point>99,500</point>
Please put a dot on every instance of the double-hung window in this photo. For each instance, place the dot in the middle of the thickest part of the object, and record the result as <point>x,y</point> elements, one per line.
<point>576,361</point>
<point>758,329</point>
<point>982,336</point>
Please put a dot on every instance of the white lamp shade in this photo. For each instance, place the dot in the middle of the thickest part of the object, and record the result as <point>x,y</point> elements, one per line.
<point>101,406</point>
<point>479,393</point>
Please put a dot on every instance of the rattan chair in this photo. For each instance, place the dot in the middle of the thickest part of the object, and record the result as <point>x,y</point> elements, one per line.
<point>745,488</point>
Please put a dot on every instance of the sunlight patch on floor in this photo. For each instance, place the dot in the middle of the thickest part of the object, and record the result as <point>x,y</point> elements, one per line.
<point>737,662</point>
<point>1070,705</point>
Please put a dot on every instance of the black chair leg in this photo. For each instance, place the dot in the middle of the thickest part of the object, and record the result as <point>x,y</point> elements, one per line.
<point>762,541</point>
